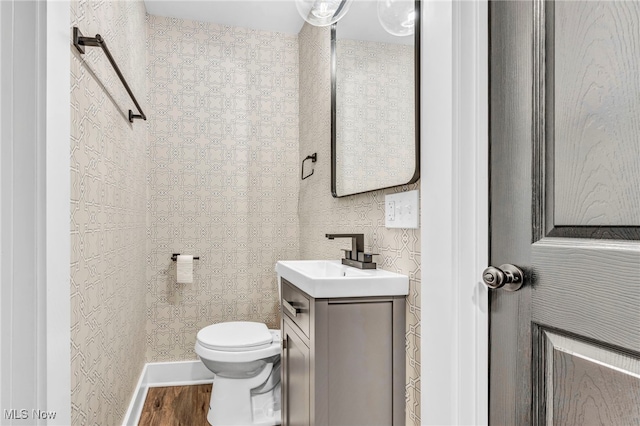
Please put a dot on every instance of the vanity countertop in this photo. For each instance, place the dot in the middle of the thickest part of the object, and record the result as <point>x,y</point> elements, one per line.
<point>332,279</point>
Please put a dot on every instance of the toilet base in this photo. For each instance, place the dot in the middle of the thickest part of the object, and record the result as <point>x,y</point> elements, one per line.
<point>232,403</point>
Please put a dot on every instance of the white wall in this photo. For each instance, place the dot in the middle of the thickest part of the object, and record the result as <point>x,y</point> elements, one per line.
<point>34,291</point>
<point>454,212</point>
<point>22,198</point>
<point>58,364</point>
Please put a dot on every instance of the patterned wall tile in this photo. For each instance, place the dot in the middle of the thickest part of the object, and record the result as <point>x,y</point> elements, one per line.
<point>320,213</point>
<point>223,178</point>
<point>108,213</point>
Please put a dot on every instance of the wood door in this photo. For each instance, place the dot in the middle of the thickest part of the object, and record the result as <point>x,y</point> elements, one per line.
<point>565,206</point>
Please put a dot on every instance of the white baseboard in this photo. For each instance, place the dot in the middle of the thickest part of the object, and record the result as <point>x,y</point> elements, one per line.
<point>158,374</point>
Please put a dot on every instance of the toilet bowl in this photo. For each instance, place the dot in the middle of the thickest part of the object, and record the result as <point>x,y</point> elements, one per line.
<point>245,358</point>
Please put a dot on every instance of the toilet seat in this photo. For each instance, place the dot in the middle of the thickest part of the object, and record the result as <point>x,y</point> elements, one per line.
<point>235,336</point>
<point>246,355</point>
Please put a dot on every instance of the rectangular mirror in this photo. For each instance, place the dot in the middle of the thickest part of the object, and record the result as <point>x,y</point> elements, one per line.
<point>374,100</point>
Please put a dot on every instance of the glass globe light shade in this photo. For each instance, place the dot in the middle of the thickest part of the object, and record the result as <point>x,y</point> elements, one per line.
<point>322,12</point>
<point>397,17</point>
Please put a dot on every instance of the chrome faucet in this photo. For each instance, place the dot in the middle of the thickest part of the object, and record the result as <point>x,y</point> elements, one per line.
<point>355,257</point>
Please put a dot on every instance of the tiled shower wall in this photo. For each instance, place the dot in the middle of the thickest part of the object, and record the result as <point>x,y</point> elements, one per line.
<point>108,213</point>
<point>320,213</point>
<point>223,178</point>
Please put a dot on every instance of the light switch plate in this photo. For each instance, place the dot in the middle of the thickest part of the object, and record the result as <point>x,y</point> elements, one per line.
<point>405,207</point>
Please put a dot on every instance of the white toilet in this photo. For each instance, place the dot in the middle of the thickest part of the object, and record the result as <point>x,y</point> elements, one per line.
<point>245,358</point>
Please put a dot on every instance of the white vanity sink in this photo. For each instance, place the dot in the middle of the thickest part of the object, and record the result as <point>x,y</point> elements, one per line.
<point>330,278</point>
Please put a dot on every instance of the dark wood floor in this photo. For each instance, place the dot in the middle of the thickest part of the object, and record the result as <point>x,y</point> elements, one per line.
<point>176,406</point>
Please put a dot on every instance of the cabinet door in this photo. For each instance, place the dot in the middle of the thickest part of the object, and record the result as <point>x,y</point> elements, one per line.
<point>360,359</point>
<point>295,377</point>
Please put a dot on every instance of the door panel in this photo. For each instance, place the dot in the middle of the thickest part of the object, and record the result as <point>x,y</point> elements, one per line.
<point>565,206</point>
<point>590,288</point>
<point>596,113</point>
<point>589,384</point>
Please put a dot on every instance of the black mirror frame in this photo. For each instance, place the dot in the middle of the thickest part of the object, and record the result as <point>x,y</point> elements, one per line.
<point>334,67</point>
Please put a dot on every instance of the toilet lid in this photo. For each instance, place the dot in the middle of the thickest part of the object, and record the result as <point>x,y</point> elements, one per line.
<point>235,336</point>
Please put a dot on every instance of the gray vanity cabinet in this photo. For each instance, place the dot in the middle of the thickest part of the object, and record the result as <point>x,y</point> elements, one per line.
<point>343,360</point>
<point>295,377</point>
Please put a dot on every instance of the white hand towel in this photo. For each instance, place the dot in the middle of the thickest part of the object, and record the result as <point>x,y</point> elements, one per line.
<point>185,269</point>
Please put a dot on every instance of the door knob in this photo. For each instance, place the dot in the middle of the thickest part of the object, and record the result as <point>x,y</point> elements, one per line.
<point>507,276</point>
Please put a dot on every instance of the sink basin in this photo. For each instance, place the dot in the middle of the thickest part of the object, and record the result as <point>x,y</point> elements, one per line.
<point>331,279</point>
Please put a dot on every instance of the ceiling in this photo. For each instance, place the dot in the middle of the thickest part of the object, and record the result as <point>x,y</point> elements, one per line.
<point>267,15</point>
<point>360,22</point>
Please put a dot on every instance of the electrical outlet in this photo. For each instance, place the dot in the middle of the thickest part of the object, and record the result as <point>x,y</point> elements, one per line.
<point>402,210</point>
<point>391,211</point>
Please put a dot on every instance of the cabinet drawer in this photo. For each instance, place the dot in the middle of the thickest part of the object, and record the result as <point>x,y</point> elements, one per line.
<point>295,305</point>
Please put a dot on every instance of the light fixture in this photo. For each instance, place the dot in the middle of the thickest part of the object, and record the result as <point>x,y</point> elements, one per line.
<point>322,12</point>
<point>397,17</point>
